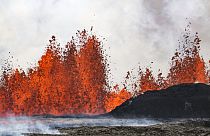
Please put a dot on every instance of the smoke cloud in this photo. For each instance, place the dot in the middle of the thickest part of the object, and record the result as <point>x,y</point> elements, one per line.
<point>21,125</point>
<point>136,32</point>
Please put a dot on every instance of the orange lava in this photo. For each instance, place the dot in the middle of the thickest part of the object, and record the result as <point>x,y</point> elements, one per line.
<point>187,66</point>
<point>115,98</point>
<point>66,81</point>
<point>74,79</point>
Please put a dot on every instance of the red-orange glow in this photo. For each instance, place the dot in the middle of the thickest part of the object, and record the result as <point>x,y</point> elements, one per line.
<point>73,79</point>
<point>187,66</point>
<point>115,98</point>
<point>66,81</point>
<point>93,75</point>
<point>147,81</point>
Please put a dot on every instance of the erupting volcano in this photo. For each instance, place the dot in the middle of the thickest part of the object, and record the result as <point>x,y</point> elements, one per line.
<point>74,79</point>
<point>187,66</point>
<point>70,80</point>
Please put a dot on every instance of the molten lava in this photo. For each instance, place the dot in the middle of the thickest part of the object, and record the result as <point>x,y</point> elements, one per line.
<point>187,66</point>
<point>116,97</point>
<point>147,81</point>
<point>66,81</point>
<point>74,80</point>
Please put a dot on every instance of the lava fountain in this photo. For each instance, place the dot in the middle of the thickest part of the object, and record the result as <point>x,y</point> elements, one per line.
<point>74,79</point>
<point>70,80</point>
<point>187,66</point>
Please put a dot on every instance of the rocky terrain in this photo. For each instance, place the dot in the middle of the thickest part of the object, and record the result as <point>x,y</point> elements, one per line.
<point>184,128</point>
<point>184,111</point>
<point>180,101</point>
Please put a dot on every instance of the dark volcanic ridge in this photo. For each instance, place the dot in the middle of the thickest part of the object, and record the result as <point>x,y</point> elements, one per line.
<point>179,101</point>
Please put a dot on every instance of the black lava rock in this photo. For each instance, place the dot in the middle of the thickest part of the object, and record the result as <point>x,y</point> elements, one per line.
<point>179,101</point>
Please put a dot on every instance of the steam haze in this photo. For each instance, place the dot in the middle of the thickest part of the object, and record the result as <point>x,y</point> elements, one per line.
<point>19,126</point>
<point>136,32</point>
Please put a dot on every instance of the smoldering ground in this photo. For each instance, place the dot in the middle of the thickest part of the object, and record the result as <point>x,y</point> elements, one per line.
<point>47,125</point>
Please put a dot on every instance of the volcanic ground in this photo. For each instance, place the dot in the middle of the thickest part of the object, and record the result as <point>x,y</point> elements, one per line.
<point>179,101</point>
<point>178,110</point>
<point>184,128</point>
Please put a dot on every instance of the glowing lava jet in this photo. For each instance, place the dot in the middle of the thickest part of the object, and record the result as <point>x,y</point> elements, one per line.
<point>73,79</point>
<point>187,66</point>
<point>66,81</point>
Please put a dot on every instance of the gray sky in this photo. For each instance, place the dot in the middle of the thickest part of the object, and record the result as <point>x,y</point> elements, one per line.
<point>136,31</point>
